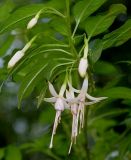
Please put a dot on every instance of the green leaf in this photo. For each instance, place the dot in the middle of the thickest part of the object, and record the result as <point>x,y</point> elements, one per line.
<point>105,68</point>
<point>117,92</point>
<point>42,95</point>
<point>2,153</point>
<point>24,13</point>
<point>5,9</point>
<point>12,153</point>
<point>96,47</point>
<point>85,8</point>
<point>21,16</point>
<point>6,45</point>
<point>119,36</point>
<point>98,24</point>
<point>59,25</point>
<point>29,82</point>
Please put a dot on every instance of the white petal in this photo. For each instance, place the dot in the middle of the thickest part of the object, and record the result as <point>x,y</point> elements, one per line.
<point>52,99</point>
<point>68,95</point>
<point>52,90</point>
<point>59,105</point>
<point>62,90</point>
<point>94,98</point>
<point>67,106</point>
<point>73,100</point>
<point>90,103</point>
<point>17,56</point>
<point>73,89</point>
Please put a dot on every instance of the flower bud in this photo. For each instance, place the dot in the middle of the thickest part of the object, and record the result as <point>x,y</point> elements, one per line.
<point>32,23</point>
<point>83,65</point>
<point>17,56</point>
<point>34,20</point>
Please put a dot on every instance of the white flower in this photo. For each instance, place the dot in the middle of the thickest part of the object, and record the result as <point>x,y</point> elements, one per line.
<point>17,56</point>
<point>81,100</point>
<point>74,111</point>
<point>60,105</point>
<point>32,23</point>
<point>83,65</point>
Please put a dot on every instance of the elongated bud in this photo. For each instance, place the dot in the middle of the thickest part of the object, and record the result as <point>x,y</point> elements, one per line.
<point>33,21</point>
<point>83,65</point>
<point>17,56</point>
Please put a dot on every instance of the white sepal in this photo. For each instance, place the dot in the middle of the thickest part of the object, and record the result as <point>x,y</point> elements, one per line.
<point>52,90</point>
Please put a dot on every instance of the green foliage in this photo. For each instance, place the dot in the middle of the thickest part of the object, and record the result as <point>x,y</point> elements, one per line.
<point>61,31</point>
<point>12,153</point>
<point>119,36</point>
<point>98,24</point>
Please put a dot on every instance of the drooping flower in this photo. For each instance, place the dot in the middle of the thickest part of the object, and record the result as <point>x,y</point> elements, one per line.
<point>74,110</point>
<point>59,105</point>
<point>81,100</point>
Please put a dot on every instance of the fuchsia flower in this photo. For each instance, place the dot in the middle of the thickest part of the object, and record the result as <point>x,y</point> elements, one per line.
<point>74,110</point>
<point>59,105</point>
<point>77,106</point>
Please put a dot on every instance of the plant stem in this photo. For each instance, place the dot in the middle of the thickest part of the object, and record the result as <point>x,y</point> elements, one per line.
<point>73,50</point>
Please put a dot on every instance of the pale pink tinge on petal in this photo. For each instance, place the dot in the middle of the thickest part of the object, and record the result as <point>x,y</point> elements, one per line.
<point>59,105</point>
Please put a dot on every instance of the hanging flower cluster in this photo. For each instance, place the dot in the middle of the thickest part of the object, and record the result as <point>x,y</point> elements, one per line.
<point>76,104</point>
<point>68,97</point>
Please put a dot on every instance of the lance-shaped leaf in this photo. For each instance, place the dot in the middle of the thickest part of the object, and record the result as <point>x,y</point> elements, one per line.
<point>98,24</point>
<point>96,47</point>
<point>85,8</point>
<point>118,36</point>
<point>29,82</point>
<point>21,16</point>
<point>117,92</point>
